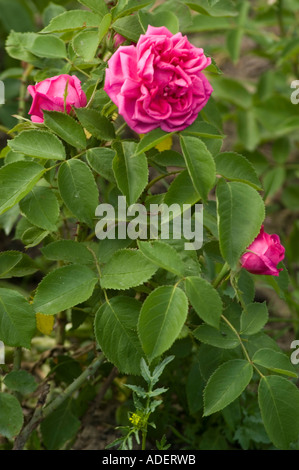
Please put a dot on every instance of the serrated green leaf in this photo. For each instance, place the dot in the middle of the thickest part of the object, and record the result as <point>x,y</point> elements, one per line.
<point>59,427</point>
<point>72,20</point>
<point>163,255</point>
<point>204,299</point>
<point>38,144</point>
<point>151,139</point>
<point>162,317</point>
<point>275,361</point>
<point>236,167</point>
<point>41,208</point>
<point>17,319</point>
<point>220,338</point>
<point>241,212</point>
<point>69,251</point>
<point>86,44</point>
<point>65,127</point>
<point>226,384</point>
<point>20,381</point>
<point>200,165</point>
<point>126,269</point>
<point>23,267</point>
<point>130,27</point>
<point>100,159</point>
<point>16,180</point>
<point>130,171</point>
<point>127,7</point>
<point>279,405</point>
<point>181,191</point>
<point>50,47</point>
<point>78,190</point>
<point>97,6</point>
<point>8,259</point>
<point>98,125</point>
<point>64,288</point>
<point>11,416</point>
<point>116,324</point>
<point>254,318</point>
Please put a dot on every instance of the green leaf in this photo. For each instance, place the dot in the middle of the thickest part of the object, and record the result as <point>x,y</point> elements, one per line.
<point>16,180</point>
<point>235,167</point>
<point>72,20</point>
<point>241,213</point>
<point>194,389</point>
<point>200,165</point>
<point>126,268</point>
<point>38,144</point>
<point>254,318</point>
<point>130,27</point>
<point>17,319</point>
<point>226,384</point>
<point>86,44</point>
<point>206,7</point>
<point>64,288</point>
<point>273,181</point>
<point>279,405</point>
<point>223,338</point>
<point>126,7</point>
<point>100,159</point>
<point>59,427</point>
<point>97,6</point>
<point>50,47</point>
<point>169,158</point>
<point>99,126</point>
<point>162,317</point>
<point>11,416</point>
<point>181,191</point>
<point>115,331</point>
<point>275,361</point>
<point>104,26</point>
<point>8,260</point>
<point>152,139</point>
<point>204,299</point>
<point>23,267</point>
<point>163,255</point>
<point>78,190</point>
<point>130,171</point>
<point>161,18</point>
<point>20,381</point>
<point>69,251</point>
<point>65,127</point>
<point>41,208</point>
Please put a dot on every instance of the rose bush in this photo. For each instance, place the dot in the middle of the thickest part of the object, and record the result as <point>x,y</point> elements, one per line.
<point>135,325</point>
<point>159,82</point>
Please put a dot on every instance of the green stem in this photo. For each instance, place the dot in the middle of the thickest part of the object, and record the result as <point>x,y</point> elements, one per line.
<point>42,413</point>
<point>60,333</point>
<point>17,358</point>
<point>23,89</point>
<point>222,275</point>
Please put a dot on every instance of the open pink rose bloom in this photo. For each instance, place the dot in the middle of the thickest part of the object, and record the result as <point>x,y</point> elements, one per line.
<point>49,95</point>
<point>265,253</point>
<point>159,82</point>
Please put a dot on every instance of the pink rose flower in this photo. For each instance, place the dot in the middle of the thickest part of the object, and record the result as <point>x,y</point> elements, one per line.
<point>49,95</point>
<point>265,253</point>
<point>158,82</point>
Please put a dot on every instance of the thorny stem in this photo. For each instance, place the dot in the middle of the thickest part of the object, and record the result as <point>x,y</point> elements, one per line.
<point>42,412</point>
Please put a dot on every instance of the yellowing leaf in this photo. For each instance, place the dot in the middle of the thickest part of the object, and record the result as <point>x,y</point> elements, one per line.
<point>45,323</point>
<point>166,144</point>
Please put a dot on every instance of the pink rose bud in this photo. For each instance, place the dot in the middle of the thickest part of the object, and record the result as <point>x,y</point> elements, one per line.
<point>265,253</point>
<point>49,95</point>
<point>118,40</point>
<point>158,82</point>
